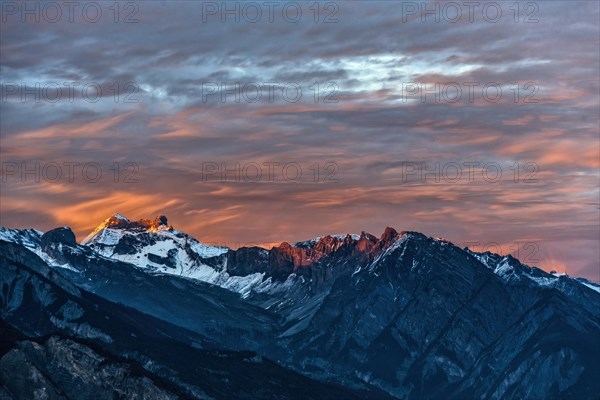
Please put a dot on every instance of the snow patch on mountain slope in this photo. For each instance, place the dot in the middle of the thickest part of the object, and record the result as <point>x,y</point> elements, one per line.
<point>164,250</point>
<point>207,251</point>
<point>106,239</point>
<point>242,284</point>
<point>399,242</point>
<point>589,284</point>
<point>107,236</point>
<point>29,238</point>
<point>270,287</point>
<point>501,266</point>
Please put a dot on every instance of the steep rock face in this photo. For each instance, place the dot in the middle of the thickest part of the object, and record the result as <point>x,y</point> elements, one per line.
<point>514,273</point>
<point>284,260</point>
<point>54,241</point>
<point>186,303</point>
<point>63,369</point>
<point>58,236</point>
<point>247,260</point>
<point>314,259</point>
<point>153,246</point>
<point>420,318</point>
<point>57,341</point>
<point>365,243</point>
<point>118,221</point>
<point>388,237</point>
<point>557,355</point>
<point>29,238</point>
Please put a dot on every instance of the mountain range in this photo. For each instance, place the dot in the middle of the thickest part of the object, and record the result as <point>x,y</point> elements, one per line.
<point>139,309</point>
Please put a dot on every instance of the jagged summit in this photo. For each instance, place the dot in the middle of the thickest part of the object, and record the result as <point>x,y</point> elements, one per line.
<point>156,246</point>
<point>119,222</point>
<point>62,235</point>
<point>329,238</point>
<point>111,230</point>
<point>122,222</point>
<point>388,236</point>
<point>119,216</point>
<point>153,245</point>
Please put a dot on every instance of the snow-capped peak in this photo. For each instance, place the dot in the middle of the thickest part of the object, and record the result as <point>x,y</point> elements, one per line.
<point>29,238</point>
<point>110,229</point>
<point>155,246</point>
<point>119,216</point>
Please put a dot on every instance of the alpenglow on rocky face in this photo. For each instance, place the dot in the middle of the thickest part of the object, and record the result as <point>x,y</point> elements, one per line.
<point>329,317</point>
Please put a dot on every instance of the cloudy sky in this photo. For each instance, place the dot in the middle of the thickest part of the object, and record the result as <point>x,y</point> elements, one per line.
<point>254,123</point>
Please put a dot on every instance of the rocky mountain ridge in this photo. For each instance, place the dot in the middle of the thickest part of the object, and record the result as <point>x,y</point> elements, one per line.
<point>402,315</point>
